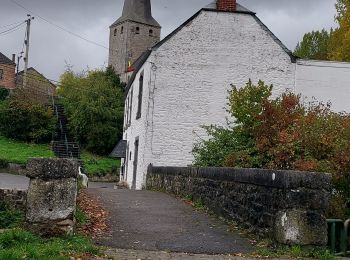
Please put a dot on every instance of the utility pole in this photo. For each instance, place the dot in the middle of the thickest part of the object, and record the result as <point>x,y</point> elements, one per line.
<point>28,21</point>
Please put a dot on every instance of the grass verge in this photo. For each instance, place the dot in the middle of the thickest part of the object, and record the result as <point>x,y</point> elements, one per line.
<point>10,218</point>
<point>19,153</point>
<point>269,250</point>
<point>16,243</point>
<point>19,244</point>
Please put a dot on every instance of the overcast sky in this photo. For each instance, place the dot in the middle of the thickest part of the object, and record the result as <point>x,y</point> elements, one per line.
<point>52,48</point>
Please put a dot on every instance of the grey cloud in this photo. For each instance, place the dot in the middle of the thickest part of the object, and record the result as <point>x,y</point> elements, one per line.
<point>51,47</point>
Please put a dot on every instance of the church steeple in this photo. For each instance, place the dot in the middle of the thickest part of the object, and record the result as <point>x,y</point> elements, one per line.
<point>132,34</point>
<point>138,11</point>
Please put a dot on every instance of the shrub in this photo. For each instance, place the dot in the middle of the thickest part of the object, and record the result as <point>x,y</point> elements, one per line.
<point>26,121</point>
<point>281,133</point>
<point>4,93</point>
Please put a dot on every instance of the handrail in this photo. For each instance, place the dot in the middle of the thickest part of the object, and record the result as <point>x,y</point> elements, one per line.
<point>343,236</point>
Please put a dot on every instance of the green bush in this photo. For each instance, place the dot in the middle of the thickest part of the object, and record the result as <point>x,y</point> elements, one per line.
<point>3,163</point>
<point>4,93</point>
<point>26,121</point>
<point>94,102</point>
<point>281,133</point>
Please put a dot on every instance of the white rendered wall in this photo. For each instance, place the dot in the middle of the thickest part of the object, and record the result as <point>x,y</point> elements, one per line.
<point>189,83</point>
<point>325,81</point>
<point>137,128</point>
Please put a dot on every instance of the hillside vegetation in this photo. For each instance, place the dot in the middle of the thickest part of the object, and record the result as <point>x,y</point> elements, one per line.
<point>19,153</point>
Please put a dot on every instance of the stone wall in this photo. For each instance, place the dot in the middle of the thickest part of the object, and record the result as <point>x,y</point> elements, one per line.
<point>287,206</point>
<point>15,199</point>
<point>136,43</point>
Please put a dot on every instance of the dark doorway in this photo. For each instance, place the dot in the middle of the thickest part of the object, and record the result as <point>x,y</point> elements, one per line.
<point>136,155</point>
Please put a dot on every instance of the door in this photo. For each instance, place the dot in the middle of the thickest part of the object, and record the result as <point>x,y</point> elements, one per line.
<point>136,156</point>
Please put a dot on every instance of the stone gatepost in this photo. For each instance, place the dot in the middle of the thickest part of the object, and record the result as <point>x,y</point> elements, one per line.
<point>51,197</point>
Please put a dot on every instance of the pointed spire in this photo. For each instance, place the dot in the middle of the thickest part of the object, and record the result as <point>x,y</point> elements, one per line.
<point>138,11</point>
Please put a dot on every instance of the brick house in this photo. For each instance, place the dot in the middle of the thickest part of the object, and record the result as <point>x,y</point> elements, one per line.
<point>7,72</point>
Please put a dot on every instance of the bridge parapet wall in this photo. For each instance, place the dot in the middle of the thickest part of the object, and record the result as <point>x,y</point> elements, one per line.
<point>287,206</point>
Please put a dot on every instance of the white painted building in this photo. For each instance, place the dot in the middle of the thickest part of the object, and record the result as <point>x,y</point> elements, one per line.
<point>181,83</point>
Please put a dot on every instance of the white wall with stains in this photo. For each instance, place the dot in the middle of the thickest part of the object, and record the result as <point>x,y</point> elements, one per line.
<point>187,82</point>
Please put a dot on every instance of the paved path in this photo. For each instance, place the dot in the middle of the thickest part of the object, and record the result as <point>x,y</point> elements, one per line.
<point>148,223</point>
<point>9,181</point>
<point>144,220</point>
<point>130,254</point>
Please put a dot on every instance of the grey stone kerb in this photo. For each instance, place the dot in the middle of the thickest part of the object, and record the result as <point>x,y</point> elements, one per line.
<point>51,197</point>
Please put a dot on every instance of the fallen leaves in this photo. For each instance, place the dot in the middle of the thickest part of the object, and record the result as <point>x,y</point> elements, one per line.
<point>96,214</point>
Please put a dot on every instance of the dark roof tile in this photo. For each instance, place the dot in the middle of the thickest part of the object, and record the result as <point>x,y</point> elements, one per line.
<point>5,60</point>
<point>120,150</point>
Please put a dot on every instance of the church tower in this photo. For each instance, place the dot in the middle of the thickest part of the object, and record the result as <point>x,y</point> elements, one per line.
<point>132,34</point>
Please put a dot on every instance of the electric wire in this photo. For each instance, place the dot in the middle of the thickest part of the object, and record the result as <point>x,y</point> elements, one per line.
<point>61,27</point>
<point>8,25</point>
<point>15,28</point>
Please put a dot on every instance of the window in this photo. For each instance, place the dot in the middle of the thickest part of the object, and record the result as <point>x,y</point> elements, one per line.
<point>126,116</point>
<point>1,74</point>
<point>130,106</point>
<point>137,30</point>
<point>139,106</point>
<point>151,32</point>
<point>115,32</point>
<point>122,30</point>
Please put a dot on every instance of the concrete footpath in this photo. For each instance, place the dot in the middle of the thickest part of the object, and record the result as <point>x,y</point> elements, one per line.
<point>9,181</point>
<point>151,225</point>
<point>152,221</point>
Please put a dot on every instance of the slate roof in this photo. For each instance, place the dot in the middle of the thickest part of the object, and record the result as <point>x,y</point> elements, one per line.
<point>212,8</point>
<point>5,60</point>
<point>139,11</point>
<point>120,150</point>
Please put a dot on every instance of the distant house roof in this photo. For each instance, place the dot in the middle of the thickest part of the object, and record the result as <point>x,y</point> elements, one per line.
<point>5,60</point>
<point>211,7</point>
<point>34,70</point>
<point>120,150</point>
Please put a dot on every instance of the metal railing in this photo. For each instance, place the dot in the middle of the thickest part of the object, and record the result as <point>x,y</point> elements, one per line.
<point>64,149</point>
<point>338,236</point>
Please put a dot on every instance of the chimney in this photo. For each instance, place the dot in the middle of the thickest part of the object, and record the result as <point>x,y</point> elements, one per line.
<point>14,58</point>
<point>226,5</point>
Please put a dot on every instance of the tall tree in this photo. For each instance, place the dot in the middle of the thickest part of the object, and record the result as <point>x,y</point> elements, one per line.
<point>314,45</point>
<point>339,48</point>
<point>94,102</point>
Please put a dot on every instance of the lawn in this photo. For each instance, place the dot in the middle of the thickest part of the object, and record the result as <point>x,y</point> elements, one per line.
<point>18,152</point>
<point>16,243</point>
<point>20,244</point>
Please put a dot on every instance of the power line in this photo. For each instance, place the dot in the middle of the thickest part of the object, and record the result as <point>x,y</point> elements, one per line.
<point>12,29</point>
<point>8,25</point>
<point>60,27</point>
